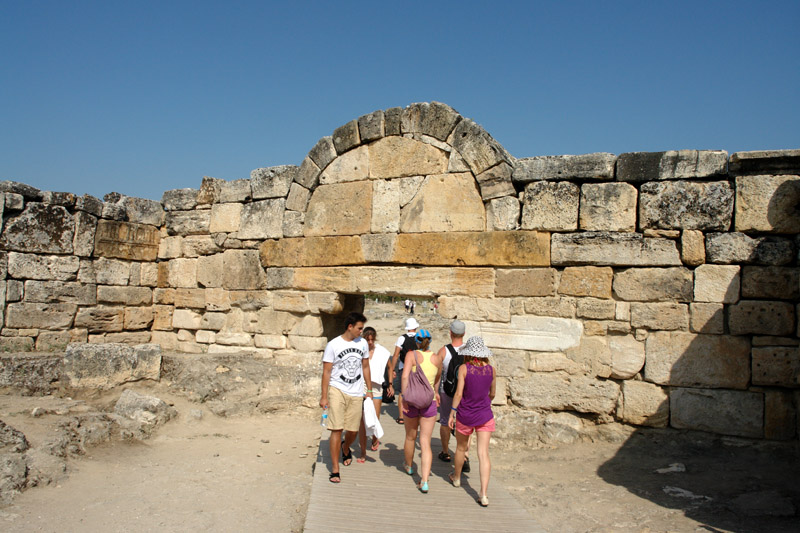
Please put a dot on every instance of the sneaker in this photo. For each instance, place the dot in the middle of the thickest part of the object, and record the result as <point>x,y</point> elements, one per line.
<point>465,468</point>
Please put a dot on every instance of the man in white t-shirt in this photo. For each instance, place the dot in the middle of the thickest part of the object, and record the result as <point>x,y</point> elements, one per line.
<point>404,343</point>
<point>345,370</point>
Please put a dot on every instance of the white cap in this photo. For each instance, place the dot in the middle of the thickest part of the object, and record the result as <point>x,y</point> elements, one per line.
<point>411,323</point>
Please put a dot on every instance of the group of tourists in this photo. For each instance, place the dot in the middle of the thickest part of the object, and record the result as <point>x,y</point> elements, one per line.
<point>456,384</point>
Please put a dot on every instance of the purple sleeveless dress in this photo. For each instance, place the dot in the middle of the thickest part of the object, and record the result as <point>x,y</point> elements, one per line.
<point>475,408</point>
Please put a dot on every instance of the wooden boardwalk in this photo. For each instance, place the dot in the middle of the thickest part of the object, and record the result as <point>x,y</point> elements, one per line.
<point>379,496</point>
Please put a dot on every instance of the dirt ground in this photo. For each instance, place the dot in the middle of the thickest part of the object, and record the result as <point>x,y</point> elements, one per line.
<point>254,473</point>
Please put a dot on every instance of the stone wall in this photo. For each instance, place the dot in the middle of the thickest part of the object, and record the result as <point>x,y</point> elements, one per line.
<point>653,289</point>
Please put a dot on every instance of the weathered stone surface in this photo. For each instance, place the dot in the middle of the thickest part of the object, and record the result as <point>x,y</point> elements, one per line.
<point>188,222</point>
<point>596,309</point>
<point>560,392</point>
<point>736,413</point>
<point>210,271</point>
<point>644,404</point>
<point>503,214</point>
<point>57,341</point>
<point>198,245</point>
<point>686,205</point>
<point>551,206</point>
<point>179,199</point>
<point>298,198</point>
<point>480,309</point>
<point>768,204</point>
<point>89,204</point>
<point>40,315</point>
<point>707,318</point>
<point>308,175</point>
<point>213,321</point>
<point>137,318</point>
<point>776,283</point>
<point>60,292</point>
<point>46,267</point>
<point>187,319</point>
<point>370,126</point>
<point>65,199</point>
<point>111,271</point>
<point>307,344</point>
<point>293,224</point>
<point>124,295</point>
<point>126,240</point>
<point>105,366</point>
<point>209,190</point>
<point>234,191</point>
<point>674,164</point>
<point>85,229</point>
<point>556,307</point>
<point>761,317</point>
<point>776,365</point>
<point>495,248</point>
<point>686,360</point>
<point>608,207</point>
<point>429,118</point>
<point>739,248</point>
<point>385,206</point>
<point>340,209</point>
<point>613,249</point>
<point>660,316</point>
<point>225,218</point>
<point>392,118</point>
<point>586,281</point>
<point>526,282</point>
<point>182,273</point>
<point>654,284</point>
<point>693,247</point>
<point>100,319</point>
<point>477,147</point>
<point>22,189</point>
<point>346,137</point>
<point>262,220</point>
<point>430,281</point>
<point>352,166</point>
<point>40,228</point>
<point>765,162</point>
<point>272,182</point>
<point>496,182</point>
<point>564,167</point>
<point>148,411</point>
<point>396,157</point>
<point>378,248</point>
<point>775,341</point>
<point>312,251</point>
<point>541,334</point>
<point>16,344</point>
<point>141,210</point>
<point>242,270</point>
<point>780,417</point>
<point>14,290</point>
<point>192,298</point>
<point>323,152</point>
<point>445,202</point>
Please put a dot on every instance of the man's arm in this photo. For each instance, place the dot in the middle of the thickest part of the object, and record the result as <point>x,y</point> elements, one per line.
<point>326,381</point>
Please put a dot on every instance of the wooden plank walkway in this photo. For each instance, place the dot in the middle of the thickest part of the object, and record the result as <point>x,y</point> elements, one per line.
<point>379,496</point>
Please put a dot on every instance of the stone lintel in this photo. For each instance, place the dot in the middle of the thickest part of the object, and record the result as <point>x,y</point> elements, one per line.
<point>312,252</point>
<point>480,248</point>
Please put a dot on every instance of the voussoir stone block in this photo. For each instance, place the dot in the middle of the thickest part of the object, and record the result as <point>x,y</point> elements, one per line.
<point>562,392</point>
<point>551,206</point>
<point>480,309</point>
<point>612,249</point>
<point>686,205</point>
<point>371,126</point>
<point>654,284</point>
<point>298,198</point>
<point>346,137</point>
<point>771,283</point>
<point>312,251</point>
<point>445,202</point>
<point>477,147</point>
<point>44,267</point>
<point>340,209</point>
<point>586,281</point>
<point>308,175</point>
<point>323,152</point>
<point>674,164</point>
<point>768,204</point>
<point>526,282</point>
<point>737,413</point>
<point>644,404</point>
<point>105,366</point>
<point>687,360</point>
<point>272,182</point>
<point>351,166</point>
<point>40,228</point>
<point>489,248</point>
<point>597,166</point>
<point>397,157</point>
<point>429,118</point>
<point>496,182</point>
<point>776,366</point>
<point>760,317</point>
<point>608,207</point>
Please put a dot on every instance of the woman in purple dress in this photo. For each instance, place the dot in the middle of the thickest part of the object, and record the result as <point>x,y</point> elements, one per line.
<point>472,410</point>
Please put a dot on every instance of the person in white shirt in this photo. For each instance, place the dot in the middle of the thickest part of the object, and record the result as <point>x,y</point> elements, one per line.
<point>378,359</point>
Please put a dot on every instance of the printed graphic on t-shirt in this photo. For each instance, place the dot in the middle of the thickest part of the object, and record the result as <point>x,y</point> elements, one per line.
<point>351,365</point>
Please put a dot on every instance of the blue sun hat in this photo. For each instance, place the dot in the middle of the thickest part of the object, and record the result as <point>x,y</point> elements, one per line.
<point>422,335</point>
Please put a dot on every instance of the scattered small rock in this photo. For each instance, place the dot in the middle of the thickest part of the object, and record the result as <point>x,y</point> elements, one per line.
<point>265,441</point>
<point>677,492</point>
<point>277,452</point>
<point>672,468</point>
<point>197,414</point>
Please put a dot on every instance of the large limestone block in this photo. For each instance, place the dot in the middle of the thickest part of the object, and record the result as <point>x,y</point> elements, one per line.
<point>768,204</point>
<point>262,220</point>
<point>371,126</point>
<point>687,360</point>
<point>408,188</point>
<point>739,248</point>
<point>674,164</point>
<point>187,319</point>
<point>308,326</point>
<point>199,245</point>
<point>707,318</point>
<point>40,228</point>
<point>234,191</point>
<point>40,315</point>
<point>182,273</point>
<point>597,166</point>
<point>170,247</point>
<point>137,318</point>
<point>225,218</point>
<point>526,282</point>
<point>556,307</point>
<point>496,182</point>
<point>126,240</point>
<point>105,366</point>
<point>551,206</point>
<point>644,404</point>
<point>495,248</point>
<point>242,270</point>
<point>612,249</point>
<point>269,322</point>
<point>179,199</point>
<point>45,267</point>
<point>385,206</point>
<point>307,344</point>
<point>536,333</point>
<point>429,118</point>
<point>760,317</point>
<point>445,202</point>
<point>378,247</point>
<point>397,157</point>
<point>141,210</point>
<point>503,214</point>
<point>660,316</point>
<point>392,118</point>
<point>693,247</point>
<point>22,189</point>
<point>596,309</point>
<point>776,365</point>
<point>562,392</point>
<point>340,209</point>
<point>60,292</point>
<point>325,302</point>
<point>771,283</point>
<point>654,284</point>
<point>480,309</point>
<point>686,205</point>
<point>298,198</point>
<point>430,281</point>
<point>477,147</point>
<point>111,271</point>
<point>737,413</point>
<point>586,281</point>
<point>85,232</point>
<point>608,207</point>
<point>192,298</point>
<point>293,223</point>
<point>765,162</point>
<point>100,319</point>
<point>210,270</point>
<point>272,182</point>
<point>351,166</point>
<point>188,222</point>
<point>124,295</point>
<point>312,251</point>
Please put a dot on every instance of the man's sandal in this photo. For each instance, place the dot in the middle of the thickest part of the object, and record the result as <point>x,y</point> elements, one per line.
<point>335,478</point>
<point>347,458</point>
<point>444,456</point>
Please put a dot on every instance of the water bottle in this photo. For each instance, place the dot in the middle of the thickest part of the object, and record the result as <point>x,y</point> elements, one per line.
<point>324,420</point>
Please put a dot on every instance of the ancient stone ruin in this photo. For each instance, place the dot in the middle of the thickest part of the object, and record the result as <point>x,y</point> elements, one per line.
<point>654,289</point>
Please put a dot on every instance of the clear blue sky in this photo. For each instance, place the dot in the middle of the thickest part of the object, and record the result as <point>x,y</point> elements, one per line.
<point>141,97</point>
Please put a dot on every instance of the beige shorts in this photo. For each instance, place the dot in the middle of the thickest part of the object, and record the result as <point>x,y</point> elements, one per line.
<point>344,411</point>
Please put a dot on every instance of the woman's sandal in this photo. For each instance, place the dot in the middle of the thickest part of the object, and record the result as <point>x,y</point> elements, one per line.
<point>399,421</point>
<point>456,482</point>
<point>335,478</point>
<point>408,469</point>
<point>347,458</point>
<point>444,456</point>
<point>361,460</point>
<point>484,501</point>
<point>375,444</point>
<point>423,487</point>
